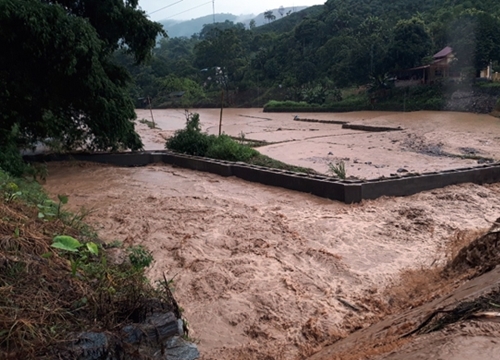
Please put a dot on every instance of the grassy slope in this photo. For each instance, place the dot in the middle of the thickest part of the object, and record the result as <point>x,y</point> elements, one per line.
<point>41,302</point>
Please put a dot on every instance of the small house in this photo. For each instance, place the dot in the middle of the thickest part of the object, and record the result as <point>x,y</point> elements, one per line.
<point>440,68</point>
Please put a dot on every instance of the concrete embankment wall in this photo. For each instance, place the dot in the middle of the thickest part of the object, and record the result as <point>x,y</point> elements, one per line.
<point>346,191</point>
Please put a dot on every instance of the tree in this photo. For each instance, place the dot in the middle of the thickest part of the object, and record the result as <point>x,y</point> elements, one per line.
<point>475,39</point>
<point>221,54</point>
<point>252,24</point>
<point>281,11</point>
<point>269,16</point>
<point>411,43</point>
<point>58,80</point>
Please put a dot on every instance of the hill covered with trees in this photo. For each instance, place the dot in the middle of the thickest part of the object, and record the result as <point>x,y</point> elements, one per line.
<point>309,55</point>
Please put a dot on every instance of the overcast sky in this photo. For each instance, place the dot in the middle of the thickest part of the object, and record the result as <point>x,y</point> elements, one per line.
<point>190,9</point>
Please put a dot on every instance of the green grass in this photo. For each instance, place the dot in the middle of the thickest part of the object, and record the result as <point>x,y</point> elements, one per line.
<point>266,161</point>
<point>396,99</point>
<point>59,292</point>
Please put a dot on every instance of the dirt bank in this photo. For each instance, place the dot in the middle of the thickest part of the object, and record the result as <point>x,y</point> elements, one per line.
<point>430,140</point>
<point>264,271</point>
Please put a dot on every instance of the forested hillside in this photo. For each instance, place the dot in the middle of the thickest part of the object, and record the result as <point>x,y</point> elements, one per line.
<point>309,56</point>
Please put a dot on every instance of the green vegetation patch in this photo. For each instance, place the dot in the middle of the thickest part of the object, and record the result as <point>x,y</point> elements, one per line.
<point>57,278</point>
<point>192,141</point>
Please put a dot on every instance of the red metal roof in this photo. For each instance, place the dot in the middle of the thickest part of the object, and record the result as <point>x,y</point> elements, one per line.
<point>445,52</point>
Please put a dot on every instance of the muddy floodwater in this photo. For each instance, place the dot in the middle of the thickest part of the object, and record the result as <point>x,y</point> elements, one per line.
<point>429,140</point>
<point>263,271</point>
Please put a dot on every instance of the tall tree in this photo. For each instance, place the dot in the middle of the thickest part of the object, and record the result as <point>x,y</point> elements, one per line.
<point>269,16</point>
<point>475,39</point>
<point>58,79</point>
<point>411,43</point>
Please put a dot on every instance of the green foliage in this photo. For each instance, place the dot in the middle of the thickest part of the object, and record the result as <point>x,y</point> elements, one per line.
<point>67,243</point>
<point>10,156</point>
<point>225,148</point>
<point>345,41</point>
<point>474,38</point>
<point>411,43</point>
<point>59,81</point>
<point>338,169</point>
<point>140,257</point>
<point>193,142</point>
<point>190,140</point>
<point>288,104</point>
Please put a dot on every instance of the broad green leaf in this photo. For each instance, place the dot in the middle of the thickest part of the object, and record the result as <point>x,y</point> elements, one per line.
<point>63,199</point>
<point>41,215</point>
<point>65,242</point>
<point>92,247</point>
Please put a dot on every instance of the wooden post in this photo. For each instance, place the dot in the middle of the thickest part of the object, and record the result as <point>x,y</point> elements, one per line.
<point>151,110</point>
<point>221,108</point>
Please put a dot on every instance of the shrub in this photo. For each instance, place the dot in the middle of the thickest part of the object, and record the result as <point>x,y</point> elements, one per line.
<point>190,140</point>
<point>287,104</point>
<point>225,148</point>
<point>10,156</point>
<point>193,142</point>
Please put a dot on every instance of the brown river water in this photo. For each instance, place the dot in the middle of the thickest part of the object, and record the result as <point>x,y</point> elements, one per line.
<point>263,271</point>
<point>430,140</point>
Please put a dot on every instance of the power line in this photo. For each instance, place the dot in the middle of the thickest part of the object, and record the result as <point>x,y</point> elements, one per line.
<point>152,12</point>
<point>196,7</point>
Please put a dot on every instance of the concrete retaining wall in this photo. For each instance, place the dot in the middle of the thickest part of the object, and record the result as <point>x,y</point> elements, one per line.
<point>319,185</point>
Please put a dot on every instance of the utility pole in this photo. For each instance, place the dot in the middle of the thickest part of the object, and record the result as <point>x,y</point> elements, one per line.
<point>213,9</point>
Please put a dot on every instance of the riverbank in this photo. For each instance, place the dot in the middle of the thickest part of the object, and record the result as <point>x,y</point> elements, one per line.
<point>66,293</point>
<point>479,98</point>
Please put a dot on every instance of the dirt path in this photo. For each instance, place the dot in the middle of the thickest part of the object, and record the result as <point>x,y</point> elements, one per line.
<point>261,270</point>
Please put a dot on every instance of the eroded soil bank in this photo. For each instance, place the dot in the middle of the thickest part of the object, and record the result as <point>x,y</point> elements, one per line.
<point>430,140</point>
<point>262,271</point>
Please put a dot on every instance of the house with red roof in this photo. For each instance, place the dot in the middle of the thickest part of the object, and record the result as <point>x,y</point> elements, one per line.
<point>440,68</point>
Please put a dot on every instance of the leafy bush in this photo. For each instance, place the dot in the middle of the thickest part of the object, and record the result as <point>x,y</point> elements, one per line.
<point>10,157</point>
<point>225,148</point>
<point>287,104</point>
<point>190,140</point>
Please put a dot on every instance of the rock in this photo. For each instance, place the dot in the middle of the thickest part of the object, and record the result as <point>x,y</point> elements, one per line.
<point>179,349</point>
<point>89,346</point>
<point>368,163</point>
<point>485,161</point>
<point>155,328</point>
<point>330,153</point>
<point>402,170</point>
<point>117,256</point>
<point>482,194</point>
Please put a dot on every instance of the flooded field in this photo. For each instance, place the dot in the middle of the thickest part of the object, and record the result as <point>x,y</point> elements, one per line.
<point>429,140</point>
<point>262,272</point>
<point>266,273</point>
